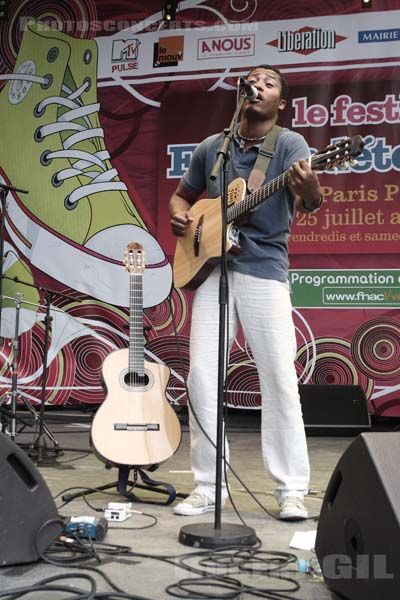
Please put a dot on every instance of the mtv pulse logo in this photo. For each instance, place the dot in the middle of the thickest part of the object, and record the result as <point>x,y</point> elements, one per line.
<point>125,52</point>
<point>226,46</point>
<point>306,40</point>
<point>168,51</point>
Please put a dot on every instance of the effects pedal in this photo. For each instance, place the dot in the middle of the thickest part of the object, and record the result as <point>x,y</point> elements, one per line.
<point>118,511</point>
<point>87,527</point>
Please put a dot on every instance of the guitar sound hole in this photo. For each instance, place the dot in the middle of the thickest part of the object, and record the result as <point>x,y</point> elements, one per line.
<point>133,379</point>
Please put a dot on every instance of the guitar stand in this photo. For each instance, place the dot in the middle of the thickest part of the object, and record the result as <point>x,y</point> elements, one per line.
<point>160,487</point>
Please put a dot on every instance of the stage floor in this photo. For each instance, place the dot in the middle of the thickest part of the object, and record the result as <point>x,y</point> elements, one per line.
<point>158,551</point>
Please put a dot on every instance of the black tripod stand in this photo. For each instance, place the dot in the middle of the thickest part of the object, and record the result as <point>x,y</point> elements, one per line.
<point>14,394</point>
<point>9,418</point>
<point>39,449</point>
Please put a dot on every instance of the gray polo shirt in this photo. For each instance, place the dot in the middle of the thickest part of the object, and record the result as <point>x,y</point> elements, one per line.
<point>264,238</point>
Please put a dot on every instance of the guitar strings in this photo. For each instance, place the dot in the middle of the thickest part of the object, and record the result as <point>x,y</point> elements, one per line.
<point>251,200</point>
<point>136,350</point>
<point>254,198</point>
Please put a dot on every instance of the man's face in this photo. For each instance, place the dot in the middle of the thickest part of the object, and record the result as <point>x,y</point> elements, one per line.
<point>269,102</point>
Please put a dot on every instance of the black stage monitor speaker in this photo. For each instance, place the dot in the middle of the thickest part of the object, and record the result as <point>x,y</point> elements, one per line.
<point>26,506</point>
<point>358,535</point>
<point>334,409</point>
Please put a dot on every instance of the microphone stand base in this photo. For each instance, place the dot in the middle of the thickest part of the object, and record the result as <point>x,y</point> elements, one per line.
<point>204,535</point>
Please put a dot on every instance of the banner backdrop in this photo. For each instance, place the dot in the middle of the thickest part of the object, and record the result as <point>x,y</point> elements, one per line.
<point>101,107</point>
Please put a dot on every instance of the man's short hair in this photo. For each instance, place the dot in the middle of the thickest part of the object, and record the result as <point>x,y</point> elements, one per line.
<point>282,78</point>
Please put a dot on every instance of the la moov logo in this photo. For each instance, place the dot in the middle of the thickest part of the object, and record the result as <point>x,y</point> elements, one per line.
<point>168,51</point>
<point>226,46</point>
<point>306,40</point>
<point>125,55</point>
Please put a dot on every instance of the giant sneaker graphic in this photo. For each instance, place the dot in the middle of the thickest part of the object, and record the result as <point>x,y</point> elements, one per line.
<point>78,218</point>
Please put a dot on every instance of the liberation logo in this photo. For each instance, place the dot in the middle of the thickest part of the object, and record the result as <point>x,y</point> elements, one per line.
<point>226,46</point>
<point>168,51</point>
<point>125,54</point>
<point>306,40</point>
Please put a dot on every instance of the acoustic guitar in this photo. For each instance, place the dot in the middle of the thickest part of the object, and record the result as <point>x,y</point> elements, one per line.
<point>199,249</point>
<point>135,425</point>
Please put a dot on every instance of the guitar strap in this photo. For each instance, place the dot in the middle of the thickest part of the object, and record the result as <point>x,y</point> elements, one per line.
<point>265,153</point>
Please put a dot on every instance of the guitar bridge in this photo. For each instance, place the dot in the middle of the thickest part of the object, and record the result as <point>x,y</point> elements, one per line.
<point>136,427</point>
<point>197,236</point>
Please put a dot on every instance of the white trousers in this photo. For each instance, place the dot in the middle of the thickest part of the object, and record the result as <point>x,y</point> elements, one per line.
<point>264,310</point>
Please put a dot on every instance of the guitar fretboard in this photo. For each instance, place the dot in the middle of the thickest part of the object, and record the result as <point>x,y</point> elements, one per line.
<point>255,198</point>
<point>136,343</point>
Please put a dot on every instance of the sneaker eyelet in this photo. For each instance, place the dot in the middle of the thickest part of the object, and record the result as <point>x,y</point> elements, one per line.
<point>45,86</point>
<point>52,54</point>
<point>37,136</point>
<point>44,159</point>
<point>38,112</point>
<point>87,57</point>
<point>89,83</point>
<point>55,182</point>
<point>69,205</point>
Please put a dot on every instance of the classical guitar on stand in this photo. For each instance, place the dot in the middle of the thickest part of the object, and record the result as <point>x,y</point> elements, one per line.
<point>199,249</point>
<point>135,425</point>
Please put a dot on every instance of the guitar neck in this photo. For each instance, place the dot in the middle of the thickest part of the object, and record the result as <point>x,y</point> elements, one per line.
<point>255,198</point>
<point>335,154</point>
<point>136,343</point>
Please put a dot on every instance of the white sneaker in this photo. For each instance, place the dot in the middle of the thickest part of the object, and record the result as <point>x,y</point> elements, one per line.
<point>291,508</point>
<point>195,504</point>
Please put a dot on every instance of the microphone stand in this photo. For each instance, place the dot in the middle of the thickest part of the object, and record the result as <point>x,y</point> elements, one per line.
<point>204,535</point>
<point>4,189</point>
<point>39,447</point>
<point>14,368</point>
<point>10,416</point>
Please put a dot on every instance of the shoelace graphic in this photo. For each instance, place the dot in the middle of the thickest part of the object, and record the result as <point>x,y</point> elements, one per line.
<point>99,181</point>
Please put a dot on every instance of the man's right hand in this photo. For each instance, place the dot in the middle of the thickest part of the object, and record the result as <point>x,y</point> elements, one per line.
<point>180,221</point>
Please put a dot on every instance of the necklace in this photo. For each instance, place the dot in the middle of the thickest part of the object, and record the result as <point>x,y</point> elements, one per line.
<point>250,139</point>
<point>244,139</point>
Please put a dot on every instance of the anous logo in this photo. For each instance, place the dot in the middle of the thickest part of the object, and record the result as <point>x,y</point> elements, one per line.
<point>226,46</point>
<point>306,40</point>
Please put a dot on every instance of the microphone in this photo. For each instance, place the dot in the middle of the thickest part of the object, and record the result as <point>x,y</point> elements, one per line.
<point>251,93</point>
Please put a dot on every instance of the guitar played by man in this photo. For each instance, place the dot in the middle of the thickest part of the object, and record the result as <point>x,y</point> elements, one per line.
<point>259,298</point>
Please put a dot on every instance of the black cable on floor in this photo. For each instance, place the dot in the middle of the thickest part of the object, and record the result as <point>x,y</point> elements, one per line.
<point>203,584</point>
<point>44,585</point>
